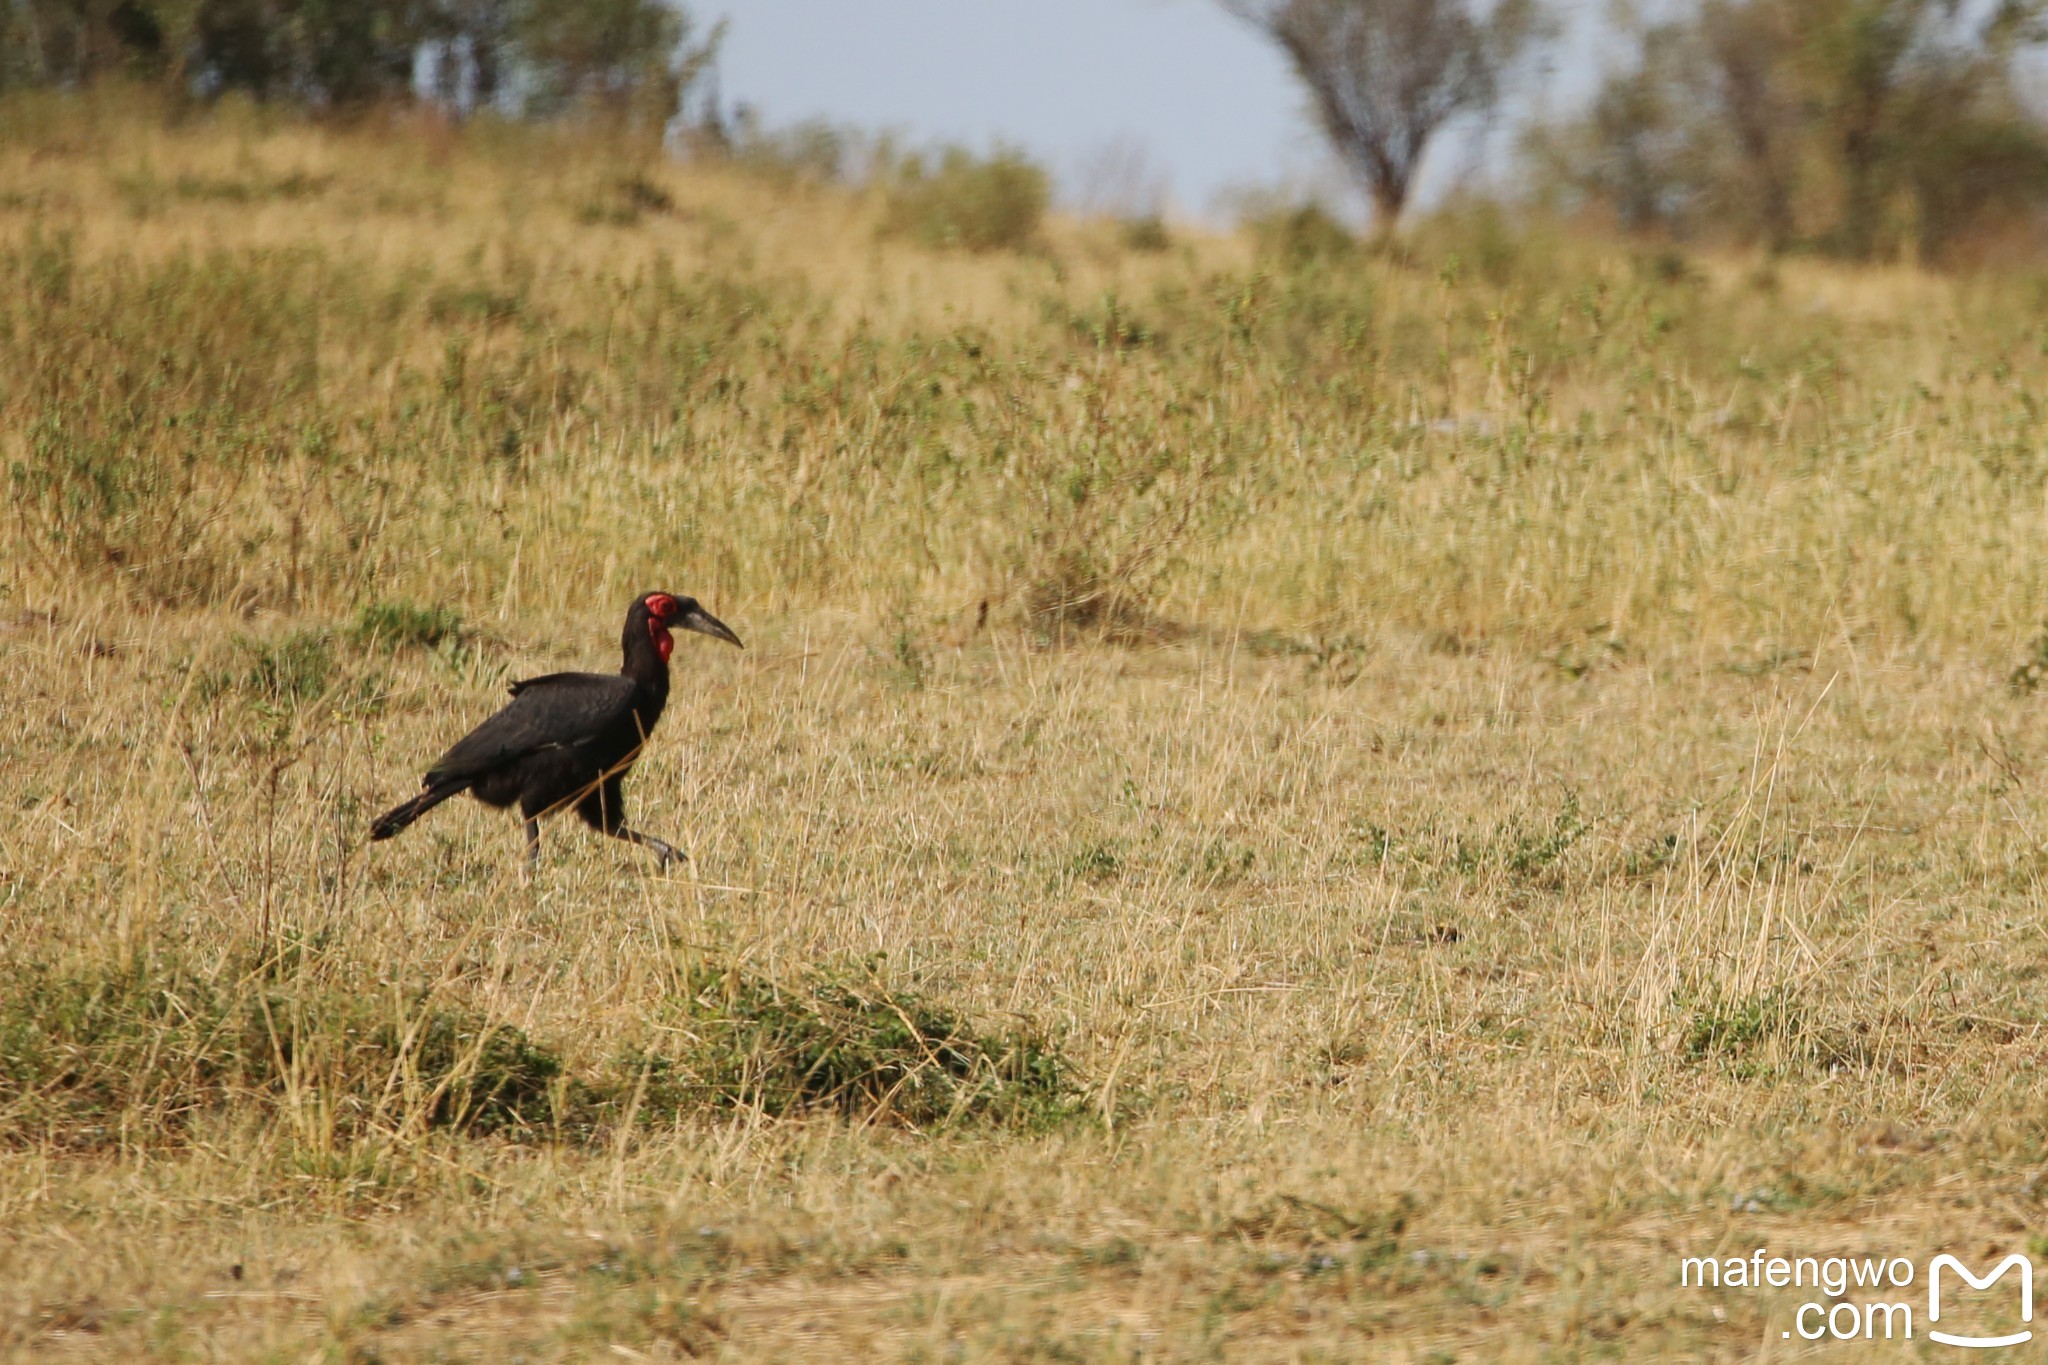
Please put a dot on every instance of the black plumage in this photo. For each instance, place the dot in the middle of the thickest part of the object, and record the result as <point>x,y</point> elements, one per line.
<point>568,739</point>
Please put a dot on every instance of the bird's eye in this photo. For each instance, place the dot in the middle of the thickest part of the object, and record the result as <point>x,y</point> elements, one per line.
<point>661,605</point>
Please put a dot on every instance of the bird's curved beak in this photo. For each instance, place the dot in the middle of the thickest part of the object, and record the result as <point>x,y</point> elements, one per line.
<point>704,623</point>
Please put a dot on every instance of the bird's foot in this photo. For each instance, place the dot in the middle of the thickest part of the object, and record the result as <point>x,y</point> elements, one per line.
<point>663,851</point>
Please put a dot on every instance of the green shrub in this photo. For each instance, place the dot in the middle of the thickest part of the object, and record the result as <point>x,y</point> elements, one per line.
<point>963,201</point>
<point>623,201</point>
<point>1301,235</point>
<point>848,1046</point>
<point>297,668</point>
<point>279,673</point>
<point>1147,234</point>
<point>811,152</point>
<point>401,624</point>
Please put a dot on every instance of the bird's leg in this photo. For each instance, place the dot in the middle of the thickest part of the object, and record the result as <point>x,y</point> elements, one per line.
<point>532,846</point>
<point>664,852</point>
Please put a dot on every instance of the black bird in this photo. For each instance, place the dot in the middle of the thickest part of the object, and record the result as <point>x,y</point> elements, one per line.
<point>569,738</point>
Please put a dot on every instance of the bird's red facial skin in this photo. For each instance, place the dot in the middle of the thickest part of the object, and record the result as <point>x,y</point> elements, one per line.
<point>661,609</point>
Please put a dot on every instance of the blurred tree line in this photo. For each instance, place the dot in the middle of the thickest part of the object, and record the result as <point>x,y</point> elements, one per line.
<point>1859,128</point>
<point>633,58</point>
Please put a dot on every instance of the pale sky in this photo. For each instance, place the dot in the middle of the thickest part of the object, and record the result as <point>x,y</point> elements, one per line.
<point>1076,83</point>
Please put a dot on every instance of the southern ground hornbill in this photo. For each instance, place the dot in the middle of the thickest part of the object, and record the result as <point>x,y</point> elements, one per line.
<point>567,739</point>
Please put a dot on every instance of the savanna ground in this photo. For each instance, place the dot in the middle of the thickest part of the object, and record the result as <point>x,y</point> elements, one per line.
<point>1275,807</point>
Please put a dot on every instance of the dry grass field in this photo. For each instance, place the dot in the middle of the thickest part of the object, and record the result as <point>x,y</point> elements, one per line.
<point>1272,810</point>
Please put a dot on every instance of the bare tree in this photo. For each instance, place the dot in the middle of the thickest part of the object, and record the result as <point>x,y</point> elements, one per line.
<point>1117,178</point>
<point>1385,76</point>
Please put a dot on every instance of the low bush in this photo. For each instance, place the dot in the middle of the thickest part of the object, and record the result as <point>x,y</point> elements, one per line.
<point>961,200</point>
<point>845,1044</point>
<point>1300,234</point>
<point>144,1051</point>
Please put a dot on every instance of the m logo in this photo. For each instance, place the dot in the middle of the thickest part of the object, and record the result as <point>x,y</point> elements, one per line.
<point>2014,1261</point>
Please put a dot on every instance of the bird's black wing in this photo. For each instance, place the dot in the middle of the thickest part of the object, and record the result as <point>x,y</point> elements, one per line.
<point>545,713</point>
<point>568,679</point>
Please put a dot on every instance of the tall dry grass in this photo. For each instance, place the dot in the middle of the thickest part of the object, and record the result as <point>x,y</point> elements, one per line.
<point>1277,807</point>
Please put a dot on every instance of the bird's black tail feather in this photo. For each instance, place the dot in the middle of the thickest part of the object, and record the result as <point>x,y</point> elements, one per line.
<point>403,814</point>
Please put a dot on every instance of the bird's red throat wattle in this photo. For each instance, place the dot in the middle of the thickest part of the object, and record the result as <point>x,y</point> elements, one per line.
<point>660,606</point>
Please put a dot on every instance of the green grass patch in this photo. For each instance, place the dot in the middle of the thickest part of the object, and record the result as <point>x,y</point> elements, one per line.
<point>283,673</point>
<point>402,625</point>
<point>849,1044</point>
<point>143,1051</point>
